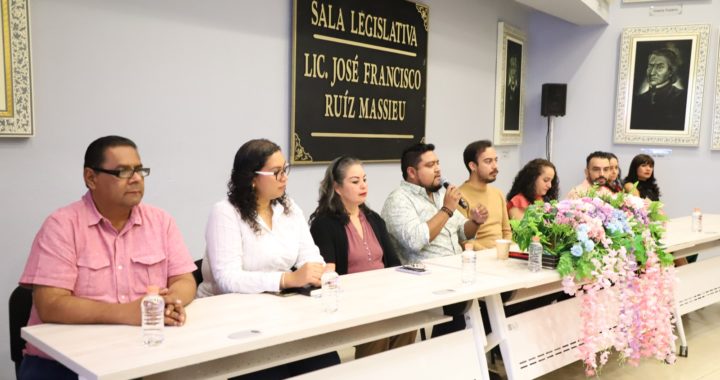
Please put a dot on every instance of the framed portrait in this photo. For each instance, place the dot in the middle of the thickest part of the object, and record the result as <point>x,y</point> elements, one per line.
<point>16,118</point>
<point>715,144</point>
<point>510,85</point>
<point>661,76</point>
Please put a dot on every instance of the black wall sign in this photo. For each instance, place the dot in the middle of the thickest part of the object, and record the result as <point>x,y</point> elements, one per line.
<point>359,79</point>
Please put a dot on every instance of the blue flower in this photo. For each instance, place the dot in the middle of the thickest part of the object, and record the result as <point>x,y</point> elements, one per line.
<point>576,250</point>
<point>582,230</point>
<point>614,226</point>
<point>589,245</point>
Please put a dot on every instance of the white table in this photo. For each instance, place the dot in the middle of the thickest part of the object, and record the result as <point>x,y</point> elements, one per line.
<point>545,339</point>
<point>699,283</point>
<point>372,305</point>
<point>447,356</point>
<point>681,241</point>
<point>510,269</point>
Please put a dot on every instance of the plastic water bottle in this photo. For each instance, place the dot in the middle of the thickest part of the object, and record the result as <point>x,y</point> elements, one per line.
<point>153,317</point>
<point>469,259</point>
<point>696,224</point>
<point>330,287</point>
<point>535,252</point>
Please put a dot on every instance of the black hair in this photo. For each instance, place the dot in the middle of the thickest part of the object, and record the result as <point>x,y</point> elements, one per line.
<point>618,183</point>
<point>596,154</point>
<point>648,188</point>
<point>411,156</point>
<point>524,182</point>
<point>250,158</point>
<point>473,150</point>
<point>329,203</point>
<point>95,153</point>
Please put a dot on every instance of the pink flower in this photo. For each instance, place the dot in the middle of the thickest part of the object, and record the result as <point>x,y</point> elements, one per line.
<point>626,304</point>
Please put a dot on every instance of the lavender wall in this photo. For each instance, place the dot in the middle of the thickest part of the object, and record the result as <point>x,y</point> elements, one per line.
<point>586,58</point>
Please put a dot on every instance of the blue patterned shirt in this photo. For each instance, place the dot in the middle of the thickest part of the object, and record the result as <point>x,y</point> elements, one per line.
<point>406,212</point>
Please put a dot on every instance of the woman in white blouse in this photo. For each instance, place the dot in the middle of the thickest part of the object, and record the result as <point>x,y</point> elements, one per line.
<point>256,236</point>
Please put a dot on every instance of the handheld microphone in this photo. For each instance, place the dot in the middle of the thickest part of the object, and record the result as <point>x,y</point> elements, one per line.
<point>462,202</point>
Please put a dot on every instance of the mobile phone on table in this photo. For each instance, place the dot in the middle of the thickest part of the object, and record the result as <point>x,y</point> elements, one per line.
<point>415,268</point>
<point>305,290</point>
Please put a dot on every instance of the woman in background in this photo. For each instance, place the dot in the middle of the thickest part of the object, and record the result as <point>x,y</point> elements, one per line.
<point>351,235</point>
<point>614,180</point>
<point>642,171</point>
<point>256,236</point>
<point>537,180</point>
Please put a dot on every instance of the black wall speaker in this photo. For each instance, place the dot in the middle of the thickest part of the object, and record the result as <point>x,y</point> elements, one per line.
<point>553,99</point>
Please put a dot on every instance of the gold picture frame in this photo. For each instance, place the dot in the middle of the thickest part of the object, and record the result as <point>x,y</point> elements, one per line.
<point>510,85</point>
<point>16,115</point>
<point>661,79</point>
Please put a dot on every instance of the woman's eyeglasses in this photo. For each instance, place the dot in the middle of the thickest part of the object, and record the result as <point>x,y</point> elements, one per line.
<point>278,172</point>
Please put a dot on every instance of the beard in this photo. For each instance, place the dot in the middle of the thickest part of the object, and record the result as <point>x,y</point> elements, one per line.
<point>433,188</point>
<point>597,181</point>
<point>489,178</point>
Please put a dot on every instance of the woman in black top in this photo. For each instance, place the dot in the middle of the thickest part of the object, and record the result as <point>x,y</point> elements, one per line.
<point>351,235</point>
<point>642,171</point>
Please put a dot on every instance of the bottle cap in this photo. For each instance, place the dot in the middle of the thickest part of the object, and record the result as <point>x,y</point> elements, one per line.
<point>329,275</point>
<point>153,289</point>
<point>468,246</point>
<point>536,239</point>
<point>696,209</point>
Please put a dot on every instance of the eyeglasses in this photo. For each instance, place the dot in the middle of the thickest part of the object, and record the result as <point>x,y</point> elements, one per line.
<point>285,170</point>
<point>125,173</point>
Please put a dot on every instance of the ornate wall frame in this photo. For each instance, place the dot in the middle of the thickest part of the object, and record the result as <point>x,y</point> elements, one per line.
<point>715,144</point>
<point>16,115</point>
<point>510,85</point>
<point>645,113</point>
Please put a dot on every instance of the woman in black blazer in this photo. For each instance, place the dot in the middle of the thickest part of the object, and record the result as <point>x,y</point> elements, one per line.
<point>351,235</point>
<point>329,235</point>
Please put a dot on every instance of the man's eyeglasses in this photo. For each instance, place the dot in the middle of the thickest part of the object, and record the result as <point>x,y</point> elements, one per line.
<point>278,172</point>
<point>125,173</point>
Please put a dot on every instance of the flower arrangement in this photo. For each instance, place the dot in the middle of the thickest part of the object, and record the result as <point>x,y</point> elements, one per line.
<point>610,255</point>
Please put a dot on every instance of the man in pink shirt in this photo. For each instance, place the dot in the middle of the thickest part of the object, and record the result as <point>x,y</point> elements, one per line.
<point>92,261</point>
<point>597,171</point>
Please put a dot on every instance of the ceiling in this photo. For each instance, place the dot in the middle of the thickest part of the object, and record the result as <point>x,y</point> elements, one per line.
<point>580,12</point>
